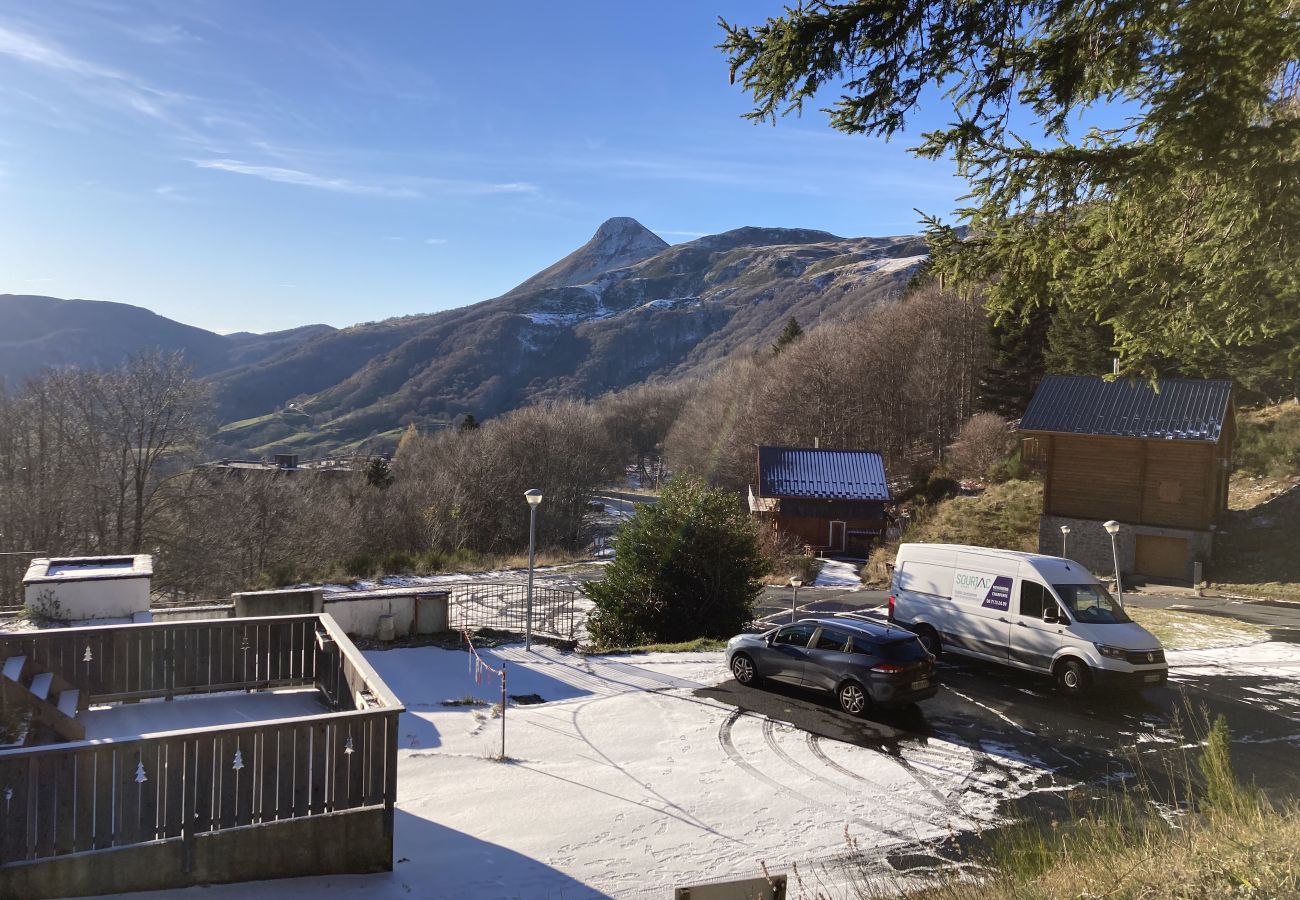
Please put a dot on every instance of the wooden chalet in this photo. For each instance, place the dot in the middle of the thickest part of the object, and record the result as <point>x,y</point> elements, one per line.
<point>833,501</point>
<point>1155,459</point>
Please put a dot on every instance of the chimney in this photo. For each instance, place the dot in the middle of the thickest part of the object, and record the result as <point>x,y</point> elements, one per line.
<point>1114,365</point>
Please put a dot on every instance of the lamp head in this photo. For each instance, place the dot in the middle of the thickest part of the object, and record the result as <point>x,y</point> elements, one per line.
<point>534,497</point>
<point>796,582</point>
<point>1112,527</point>
<point>1065,529</point>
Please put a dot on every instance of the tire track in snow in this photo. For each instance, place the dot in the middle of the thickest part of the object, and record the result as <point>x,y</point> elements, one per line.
<point>729,747</point>
<point>948,804</point>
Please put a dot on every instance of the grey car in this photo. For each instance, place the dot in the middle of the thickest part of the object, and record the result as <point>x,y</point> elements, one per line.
<point>862,663</point>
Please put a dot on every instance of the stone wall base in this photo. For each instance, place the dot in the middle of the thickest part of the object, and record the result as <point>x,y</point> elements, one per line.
<point>1089,544</point>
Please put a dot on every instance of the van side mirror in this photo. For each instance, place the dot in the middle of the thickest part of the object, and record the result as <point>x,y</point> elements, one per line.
<point>1052,615</point>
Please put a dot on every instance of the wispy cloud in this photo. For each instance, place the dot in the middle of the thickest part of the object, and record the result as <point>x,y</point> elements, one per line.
<point>172,192</point>
<point>101,83</point>
<point>159,34</point>
<point>405,186</point>
<point>688,234</point>
<point>304,179</point>
<point>435,241</point>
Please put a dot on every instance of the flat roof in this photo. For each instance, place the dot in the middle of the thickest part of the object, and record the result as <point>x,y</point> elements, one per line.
<point>197,711</point>
<point>63,569</point>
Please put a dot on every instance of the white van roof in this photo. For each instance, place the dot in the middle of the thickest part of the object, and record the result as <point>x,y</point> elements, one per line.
<point>1055,569</point>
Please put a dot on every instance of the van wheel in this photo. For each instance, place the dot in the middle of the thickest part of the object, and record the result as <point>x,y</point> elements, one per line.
<point>929,639</point>
<point>1072,677</point>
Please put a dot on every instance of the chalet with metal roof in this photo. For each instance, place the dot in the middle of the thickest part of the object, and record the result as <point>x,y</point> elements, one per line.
<point>1154,457</point>
<point>833,501</point>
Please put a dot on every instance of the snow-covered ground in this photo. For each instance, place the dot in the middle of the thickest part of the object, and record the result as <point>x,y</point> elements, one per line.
<point>1262,674</point>
<point>627,782</point>
<point>838,574</point>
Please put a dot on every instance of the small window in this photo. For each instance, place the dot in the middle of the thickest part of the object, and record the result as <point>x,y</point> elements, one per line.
<point>1034,599</point>
<point>795,635</point>
<point>832,640</point>
<point>865,647</point>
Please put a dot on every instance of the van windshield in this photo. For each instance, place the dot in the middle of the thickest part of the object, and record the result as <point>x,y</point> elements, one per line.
<point>1091,604</point>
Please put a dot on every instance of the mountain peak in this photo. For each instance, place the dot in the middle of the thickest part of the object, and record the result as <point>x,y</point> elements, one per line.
<point>618,242</point>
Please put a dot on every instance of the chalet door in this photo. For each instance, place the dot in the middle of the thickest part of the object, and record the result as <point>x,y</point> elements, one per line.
<point>836,541</point>
<point>1162,557</point>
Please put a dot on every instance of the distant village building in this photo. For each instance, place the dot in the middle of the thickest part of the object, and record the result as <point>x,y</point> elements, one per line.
<point>1156,460</point>
<point>284,464</point>
<point>831,500</point>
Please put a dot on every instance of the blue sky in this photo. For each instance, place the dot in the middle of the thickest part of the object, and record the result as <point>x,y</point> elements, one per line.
<point>253,166</point>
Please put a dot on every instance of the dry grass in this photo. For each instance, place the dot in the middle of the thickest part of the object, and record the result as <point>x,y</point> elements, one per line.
<point>1002,515</point>
<point>1256,553</point>
<point>1191,631</point>
<point>1227,840</point>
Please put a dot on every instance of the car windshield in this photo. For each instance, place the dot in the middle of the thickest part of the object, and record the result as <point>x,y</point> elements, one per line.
<point>1091,604</point>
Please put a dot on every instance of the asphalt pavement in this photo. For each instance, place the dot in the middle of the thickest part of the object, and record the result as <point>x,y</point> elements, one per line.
<point>1105,738</point>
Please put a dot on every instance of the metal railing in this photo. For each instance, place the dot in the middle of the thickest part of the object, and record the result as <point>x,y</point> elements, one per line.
<point>106,794</point>
<point>504,607</point>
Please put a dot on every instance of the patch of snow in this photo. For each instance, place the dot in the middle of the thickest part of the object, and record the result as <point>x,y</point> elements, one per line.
<point>838,574</point>
<point>120,720</point>
<point>627,782</point>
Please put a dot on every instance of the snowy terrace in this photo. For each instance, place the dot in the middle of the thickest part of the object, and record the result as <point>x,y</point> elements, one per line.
<point>190,753</point>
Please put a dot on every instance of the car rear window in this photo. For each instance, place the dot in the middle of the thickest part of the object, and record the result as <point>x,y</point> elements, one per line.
<point>906,650</point>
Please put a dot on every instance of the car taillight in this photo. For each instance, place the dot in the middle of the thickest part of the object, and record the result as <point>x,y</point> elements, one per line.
<point>887,668</point>
<point>891,607</point>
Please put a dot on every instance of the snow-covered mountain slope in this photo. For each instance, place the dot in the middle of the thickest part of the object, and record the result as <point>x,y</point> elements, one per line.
<point>623,308</point>
<point>618,242</point>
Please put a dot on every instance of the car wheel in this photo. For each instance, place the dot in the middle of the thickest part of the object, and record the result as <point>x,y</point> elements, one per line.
<point>929,640</point>
<point>742,667</point>
<point>1072,677</point>
<point>853,698</point>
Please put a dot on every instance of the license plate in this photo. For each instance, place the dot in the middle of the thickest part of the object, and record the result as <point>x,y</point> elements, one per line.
<point>1152,678</point>
<point>923,683</point>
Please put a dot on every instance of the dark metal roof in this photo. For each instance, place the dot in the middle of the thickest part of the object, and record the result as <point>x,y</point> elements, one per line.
<point>821,474</point>
<point>1183,409</point>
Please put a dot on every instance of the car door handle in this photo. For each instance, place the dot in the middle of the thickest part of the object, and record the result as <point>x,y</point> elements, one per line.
<point>1004,619</point>
<point>1023,624</point>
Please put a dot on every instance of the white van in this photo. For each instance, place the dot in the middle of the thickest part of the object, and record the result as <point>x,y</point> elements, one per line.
<point>1040,613</point>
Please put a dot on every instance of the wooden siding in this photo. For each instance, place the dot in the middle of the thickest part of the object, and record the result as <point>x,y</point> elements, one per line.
<point>1179,484</point>
<point>1095,478</point>
<point>1173,484</point>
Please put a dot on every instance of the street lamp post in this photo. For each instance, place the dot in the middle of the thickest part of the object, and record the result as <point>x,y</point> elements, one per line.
<point>534,498</point>
<point>795,583</point>
<point>1065,534</point>
<point>1112,528</point>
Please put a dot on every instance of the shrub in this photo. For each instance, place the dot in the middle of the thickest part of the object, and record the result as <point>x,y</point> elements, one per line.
<point>685,568</point>
<point>983,442</point>
<point>785,556</point>
<point>1268,441</point>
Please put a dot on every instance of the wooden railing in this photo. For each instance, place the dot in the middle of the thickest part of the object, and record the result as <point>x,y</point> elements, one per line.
<point>109,794</point>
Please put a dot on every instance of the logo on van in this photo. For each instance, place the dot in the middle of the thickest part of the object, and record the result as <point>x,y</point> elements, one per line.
<point>990,591</point>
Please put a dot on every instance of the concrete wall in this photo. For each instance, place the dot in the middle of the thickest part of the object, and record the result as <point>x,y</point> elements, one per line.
<point>358,841</point>
<point>287,602</point>
<point>1089,543</point>
<point>193,613</point>
<point>359,614</point>
<point>107,598</point>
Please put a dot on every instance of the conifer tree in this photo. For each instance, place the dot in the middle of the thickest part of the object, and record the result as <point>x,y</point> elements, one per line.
<point>1177,226</point>
<point>789,335</point>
